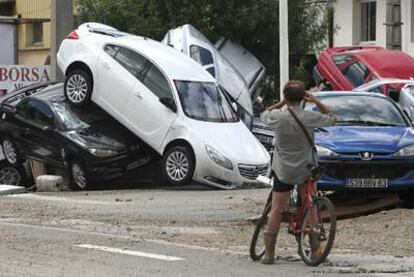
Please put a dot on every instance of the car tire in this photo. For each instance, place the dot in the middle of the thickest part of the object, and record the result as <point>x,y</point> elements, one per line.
<point>78,180</point>
<point>10,152</point>
<point>78,87</point>
<point>178,165</point>
<point>13,175</point>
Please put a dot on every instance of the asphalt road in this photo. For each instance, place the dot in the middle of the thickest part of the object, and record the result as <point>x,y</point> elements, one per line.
<point>152,232</point>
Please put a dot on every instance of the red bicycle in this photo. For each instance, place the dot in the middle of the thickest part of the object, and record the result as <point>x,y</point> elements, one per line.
<point>313,225</point>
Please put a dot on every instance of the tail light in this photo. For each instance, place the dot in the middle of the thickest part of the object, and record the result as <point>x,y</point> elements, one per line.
<point>73,35</point>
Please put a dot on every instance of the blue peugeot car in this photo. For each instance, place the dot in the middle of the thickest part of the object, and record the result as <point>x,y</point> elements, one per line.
<point>371,145</point>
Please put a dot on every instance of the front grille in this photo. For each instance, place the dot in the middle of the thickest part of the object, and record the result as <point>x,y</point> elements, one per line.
<point>266,141</point>
<point>251,172</point>
<point>365,172</point>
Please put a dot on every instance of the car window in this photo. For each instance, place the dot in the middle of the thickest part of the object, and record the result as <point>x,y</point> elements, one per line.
<point>356,73</point>
<point>37,113</point>
<point>361,110</point>
<point>131,61</point>
<point>111,50</point>
<point>201,55</point>
<point>342,59</point>
<point>156,82</point>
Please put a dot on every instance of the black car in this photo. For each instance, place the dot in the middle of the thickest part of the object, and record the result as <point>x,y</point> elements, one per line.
<point>36,123</point>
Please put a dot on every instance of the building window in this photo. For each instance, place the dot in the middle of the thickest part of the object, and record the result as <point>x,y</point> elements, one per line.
<point>368,20</point>
<point>34,34</point>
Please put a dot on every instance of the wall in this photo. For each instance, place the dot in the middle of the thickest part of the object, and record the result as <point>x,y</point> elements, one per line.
<point>407,14</point>
<point>344,21</point>
<point>33,54</point>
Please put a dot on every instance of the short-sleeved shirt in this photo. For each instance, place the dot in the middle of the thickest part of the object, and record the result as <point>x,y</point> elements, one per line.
<point>293,153</point>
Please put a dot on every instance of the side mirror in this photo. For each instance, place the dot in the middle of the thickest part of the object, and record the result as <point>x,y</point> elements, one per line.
<point>169,103</point>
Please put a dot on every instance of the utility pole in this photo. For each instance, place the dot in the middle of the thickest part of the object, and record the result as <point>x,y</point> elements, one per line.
<point>283,44</point>
<point>62,25</point>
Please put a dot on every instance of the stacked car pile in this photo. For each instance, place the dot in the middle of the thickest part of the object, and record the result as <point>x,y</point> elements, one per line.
<point>149,101</point>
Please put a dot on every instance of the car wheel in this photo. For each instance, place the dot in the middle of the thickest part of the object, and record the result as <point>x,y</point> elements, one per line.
<point>78,87</point>
<point>13,175</point>
<point>178,165</point>
<point>78,176</point>
<point>10,151</point>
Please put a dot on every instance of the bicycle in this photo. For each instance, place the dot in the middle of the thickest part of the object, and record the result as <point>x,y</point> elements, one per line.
<point>314,237</point>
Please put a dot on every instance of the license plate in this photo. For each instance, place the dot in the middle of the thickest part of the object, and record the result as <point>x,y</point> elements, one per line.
<point>138,163</point>
<point>367,183</point>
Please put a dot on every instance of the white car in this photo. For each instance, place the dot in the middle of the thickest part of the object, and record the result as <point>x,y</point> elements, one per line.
<point>400,90</point>
<point>166,99</point>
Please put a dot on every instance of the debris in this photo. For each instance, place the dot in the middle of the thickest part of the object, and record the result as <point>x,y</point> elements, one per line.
<point>49,183</point>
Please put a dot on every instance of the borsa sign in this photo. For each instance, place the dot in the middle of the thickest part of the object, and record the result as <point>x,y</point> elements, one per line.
<point>14,77</point>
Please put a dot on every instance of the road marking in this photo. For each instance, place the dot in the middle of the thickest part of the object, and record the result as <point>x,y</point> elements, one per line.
<point>61,199</point>
<point>124,237</point>
<point>130,252</point>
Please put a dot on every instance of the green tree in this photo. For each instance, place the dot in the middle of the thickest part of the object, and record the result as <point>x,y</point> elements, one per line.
<point>252,23</point>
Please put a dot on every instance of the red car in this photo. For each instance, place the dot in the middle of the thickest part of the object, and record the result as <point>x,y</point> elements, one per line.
<point>345,68</point>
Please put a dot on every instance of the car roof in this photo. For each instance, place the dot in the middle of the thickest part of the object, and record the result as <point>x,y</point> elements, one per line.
<point>174,64</point>
<point>387,63</point>
<point>348,93</point>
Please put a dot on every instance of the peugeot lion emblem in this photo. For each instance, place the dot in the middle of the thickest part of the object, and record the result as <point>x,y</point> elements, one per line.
<point>366,156</point>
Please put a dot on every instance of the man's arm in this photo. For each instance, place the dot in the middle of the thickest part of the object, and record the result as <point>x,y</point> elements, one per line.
<point>309,97</point>
<point>276,106</point>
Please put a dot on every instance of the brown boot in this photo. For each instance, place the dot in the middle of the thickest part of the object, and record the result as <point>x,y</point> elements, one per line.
<point>269,242</point>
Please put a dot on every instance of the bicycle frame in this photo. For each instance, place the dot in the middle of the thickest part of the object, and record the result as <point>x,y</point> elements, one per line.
<point>310,190</point>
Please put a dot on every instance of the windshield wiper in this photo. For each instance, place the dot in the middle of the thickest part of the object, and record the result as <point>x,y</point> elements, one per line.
<point>365,122</point>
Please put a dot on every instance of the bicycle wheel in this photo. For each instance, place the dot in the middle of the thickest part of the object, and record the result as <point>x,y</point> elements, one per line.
<point>318,228</point>
<point>257,248</point>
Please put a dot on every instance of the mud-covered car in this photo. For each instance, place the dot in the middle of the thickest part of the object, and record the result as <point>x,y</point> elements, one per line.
<point>38,124</point>
<point>345,68</point>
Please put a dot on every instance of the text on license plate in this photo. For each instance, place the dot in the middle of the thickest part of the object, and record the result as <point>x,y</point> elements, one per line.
<point>367,183</point>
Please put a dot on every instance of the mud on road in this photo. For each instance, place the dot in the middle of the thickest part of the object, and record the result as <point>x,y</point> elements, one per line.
<point>209,218</point>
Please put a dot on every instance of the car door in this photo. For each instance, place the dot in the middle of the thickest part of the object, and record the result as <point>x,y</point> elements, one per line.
<point>147,117</point>
<point>249,67</point>
<point>38,131</point>
<point>119,69</point>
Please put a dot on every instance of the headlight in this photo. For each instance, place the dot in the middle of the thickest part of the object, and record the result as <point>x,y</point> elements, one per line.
<point>405,152</point>
<point>218,158</point>
<point>323,151</point>
<point>102,153</point>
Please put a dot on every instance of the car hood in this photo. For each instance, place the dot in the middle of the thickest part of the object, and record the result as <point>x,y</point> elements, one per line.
<point>105,134</point>
<point>354,139</point>
<point>90,139</point>
<point>233,140</point>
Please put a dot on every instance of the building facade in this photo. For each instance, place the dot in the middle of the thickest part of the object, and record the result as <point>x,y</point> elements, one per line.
<point>32,20</point>
<point>387,23</point>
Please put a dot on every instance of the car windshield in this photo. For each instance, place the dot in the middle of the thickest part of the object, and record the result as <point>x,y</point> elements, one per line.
<point>205,102</point>
<point>69,118</point>
<point>362,110</point>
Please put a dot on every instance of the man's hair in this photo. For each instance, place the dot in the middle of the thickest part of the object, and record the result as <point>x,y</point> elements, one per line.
<point>294,91</point>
